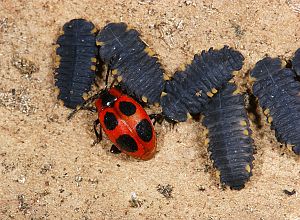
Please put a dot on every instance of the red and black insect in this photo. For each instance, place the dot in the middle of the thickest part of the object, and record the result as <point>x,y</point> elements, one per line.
<point>124,121</point>
<point>229,138</point>
<point>191,89</point>
<point>131,61</point>
<point>76,57</point>
<point>126,124</point>
<point>278,95</point>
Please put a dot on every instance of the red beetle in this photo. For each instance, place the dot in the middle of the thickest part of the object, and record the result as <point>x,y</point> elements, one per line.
<point>126,124</point>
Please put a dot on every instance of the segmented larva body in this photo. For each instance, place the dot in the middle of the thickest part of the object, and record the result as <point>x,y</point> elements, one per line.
<point>230,143</point>
<point>278,94</point>
<point>132,62</point>
<point>190,90</point>
<point>76,60</point>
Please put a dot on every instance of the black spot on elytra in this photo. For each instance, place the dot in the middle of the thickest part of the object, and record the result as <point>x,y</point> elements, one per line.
<point>127,108</point>
<point>144,130</point>
<point>110,121</point>
<point>127,143</point>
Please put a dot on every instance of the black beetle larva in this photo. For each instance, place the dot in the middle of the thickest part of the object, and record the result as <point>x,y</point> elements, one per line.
<point>189,91</point>
<point>229,140</point>
<point>76,57</point>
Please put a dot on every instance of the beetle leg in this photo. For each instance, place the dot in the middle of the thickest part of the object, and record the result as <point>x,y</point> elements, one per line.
<point>114,150</point>
<point>90,108</point>
<point>157,118</point>
<point>98,134</point>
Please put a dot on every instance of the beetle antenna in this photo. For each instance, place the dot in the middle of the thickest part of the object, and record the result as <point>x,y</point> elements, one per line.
<point>107,75</point>
<point>113,82</point>
<point>109,70</point>
<point>85,104</point>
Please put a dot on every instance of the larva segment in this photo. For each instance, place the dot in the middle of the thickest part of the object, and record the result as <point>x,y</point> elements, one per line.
<point>230,143</point>
<point>277,92</point>
<point>128,56</point>
<point>76,64</point>
<point>191,89</point>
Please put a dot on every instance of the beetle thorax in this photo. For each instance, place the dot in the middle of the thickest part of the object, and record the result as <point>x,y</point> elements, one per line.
<point>108,99</point>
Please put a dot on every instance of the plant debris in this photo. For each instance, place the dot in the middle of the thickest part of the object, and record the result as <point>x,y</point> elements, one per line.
<point>134,201</point>
<point>26,67</point>
<point>166,191</point>
<point>17,100</point>
<point>23,206</point>
<point>289,193</point>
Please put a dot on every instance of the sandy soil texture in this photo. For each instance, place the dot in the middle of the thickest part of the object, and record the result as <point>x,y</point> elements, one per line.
<point>49,168</point>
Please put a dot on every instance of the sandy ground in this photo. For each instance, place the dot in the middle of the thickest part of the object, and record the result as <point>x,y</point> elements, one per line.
<point>49,168</point>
